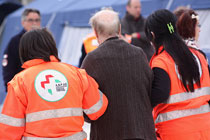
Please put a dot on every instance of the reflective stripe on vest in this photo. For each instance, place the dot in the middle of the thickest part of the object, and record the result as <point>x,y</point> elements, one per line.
<point>65,112</point>
<point>182,113</point>
<point>51,114</point>
<point>11,121</point>
<point>188,95</point>
<point>78,136</point>
<point>96,107</point>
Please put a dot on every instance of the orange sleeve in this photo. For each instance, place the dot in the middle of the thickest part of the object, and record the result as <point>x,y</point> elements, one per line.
<point>12,119</point>
<point>94,101</point>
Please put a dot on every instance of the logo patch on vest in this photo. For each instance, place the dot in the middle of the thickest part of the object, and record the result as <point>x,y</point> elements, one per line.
<point>51,85</point>
<point>95,42</point>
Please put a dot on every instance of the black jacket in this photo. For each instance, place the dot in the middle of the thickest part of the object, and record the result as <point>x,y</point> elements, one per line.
<point>11,62</point>
<point>131,25</point>
<point>124,76</point>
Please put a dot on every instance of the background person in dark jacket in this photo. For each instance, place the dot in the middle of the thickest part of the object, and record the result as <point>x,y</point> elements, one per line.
<point>123,74</point>
<point>11,62</point>
<point>133,27</point>
<point>133,22</point>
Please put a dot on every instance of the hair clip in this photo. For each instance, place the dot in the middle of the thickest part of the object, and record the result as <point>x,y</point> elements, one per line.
<point>170,28</point>
<point>195,16</point>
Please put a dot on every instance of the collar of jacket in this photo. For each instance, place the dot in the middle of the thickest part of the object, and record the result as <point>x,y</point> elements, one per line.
<point>23,31</point>
<point>111,38</point>
<point>160,50</point>
<point>131,18</point>
<point>34,62</point>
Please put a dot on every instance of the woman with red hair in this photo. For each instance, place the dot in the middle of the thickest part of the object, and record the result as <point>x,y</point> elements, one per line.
<point>188,27</point>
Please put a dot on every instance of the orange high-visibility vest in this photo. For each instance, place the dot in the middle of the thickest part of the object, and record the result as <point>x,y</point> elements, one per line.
<point>128,38</point>
<point>184,113</point>
<point>47,101</point>
<point>90,43</point>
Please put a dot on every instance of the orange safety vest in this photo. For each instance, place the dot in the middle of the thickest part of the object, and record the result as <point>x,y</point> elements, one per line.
<point>183,112</point>
<point>128,38</point>
<point>47,101</point>
<point>90,43</point>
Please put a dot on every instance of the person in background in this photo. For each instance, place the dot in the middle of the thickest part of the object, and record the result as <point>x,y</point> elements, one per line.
<point>11,64</point>
<point>133,22</point>
<point>133,27</point>
<point>189,28</point>
<point>181,85</point>
<point>89,44</point>
<point>123,74</point>
<point>47,99</point>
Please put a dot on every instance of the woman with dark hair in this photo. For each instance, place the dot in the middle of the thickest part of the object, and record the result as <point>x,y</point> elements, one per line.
<point>48,98</point>
<point>181,86</point>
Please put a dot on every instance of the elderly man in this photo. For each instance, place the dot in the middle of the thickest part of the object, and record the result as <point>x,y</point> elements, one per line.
<point>11,62</point>
<point>123,74</point>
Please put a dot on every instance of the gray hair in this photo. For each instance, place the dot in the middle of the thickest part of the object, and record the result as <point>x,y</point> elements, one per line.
<point>106,23</point>
<point>27,11</point>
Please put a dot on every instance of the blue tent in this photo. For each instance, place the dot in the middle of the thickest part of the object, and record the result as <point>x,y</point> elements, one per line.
<point>7,7</point>
<point>76,13</point>
<point>56,13</point>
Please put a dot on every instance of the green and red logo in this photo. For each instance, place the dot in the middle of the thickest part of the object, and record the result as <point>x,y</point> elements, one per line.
<point>51,85</point>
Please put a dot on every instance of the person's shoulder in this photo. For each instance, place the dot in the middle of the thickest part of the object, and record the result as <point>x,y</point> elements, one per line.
<point>67,66</point>
<point>94,54</point>
<point>18,35</point>
<point>162,58</point>
<point>124,19</point>
<point>135,48</point>
<point>14,41</point>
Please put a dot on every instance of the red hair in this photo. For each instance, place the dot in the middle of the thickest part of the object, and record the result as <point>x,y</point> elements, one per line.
<point>186,24</point>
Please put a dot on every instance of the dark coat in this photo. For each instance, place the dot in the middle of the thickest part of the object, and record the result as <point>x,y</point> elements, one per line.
<point>124,76</point>
<point>131,25</point>
<point>11,62</point>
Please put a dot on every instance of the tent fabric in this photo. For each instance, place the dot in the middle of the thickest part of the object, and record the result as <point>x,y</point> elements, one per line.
<point>7,8</point>
<point>71,43</point>
<point>9,1</point>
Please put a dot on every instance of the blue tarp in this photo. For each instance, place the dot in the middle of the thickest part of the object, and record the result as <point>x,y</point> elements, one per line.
<point>76,13</point>
<point>9,1</point>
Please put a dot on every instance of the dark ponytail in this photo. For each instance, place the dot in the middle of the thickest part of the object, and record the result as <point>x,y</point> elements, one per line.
<point>173,45</point>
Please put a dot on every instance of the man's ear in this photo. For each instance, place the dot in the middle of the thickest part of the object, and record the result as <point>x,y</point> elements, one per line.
<point>97,37</point>
<point>95,33</point>
<point>119,29</point>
